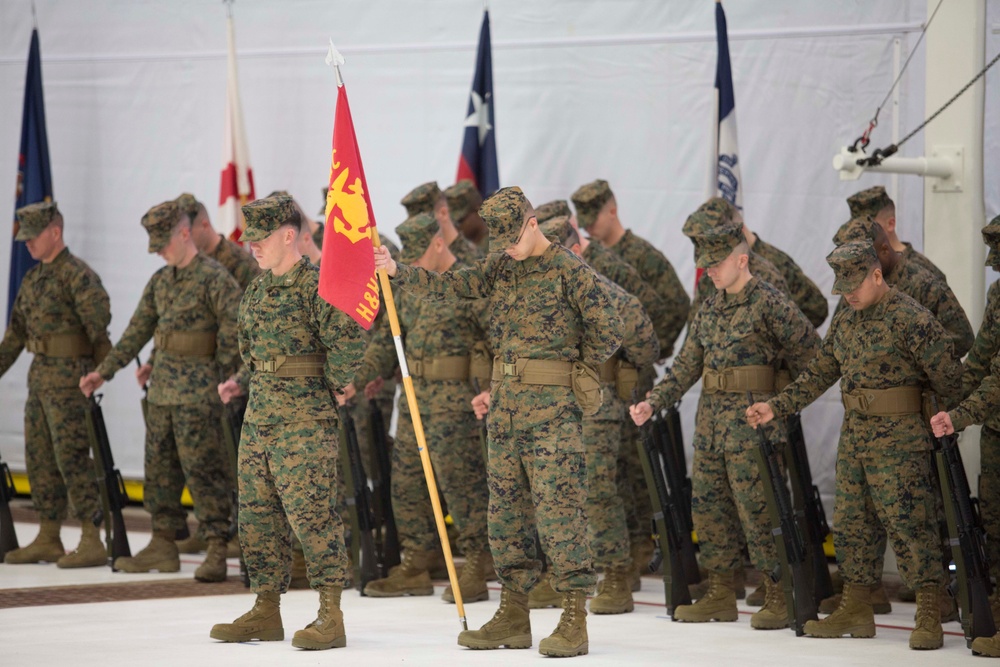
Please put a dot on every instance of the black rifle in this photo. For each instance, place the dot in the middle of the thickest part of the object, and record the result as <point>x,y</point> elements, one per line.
<point>232,426</point>
<point>808,510</point>
<point>387,544</point>
<point>358,491</point>
<point>968,540</point>
<point>8,538</point>
<point>669,441</point>
<point>791,573</point>
<point>110,482</point>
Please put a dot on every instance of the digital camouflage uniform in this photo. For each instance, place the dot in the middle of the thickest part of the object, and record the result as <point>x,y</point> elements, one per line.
<point>803,291</point>
<point>758,326</point>
<point>867,204</point>
<point>241,264</point>
<point>289,445</point>
<point>883,467</point>
<point>423,199</point>
<point>463,200</point>
<point>433,330</point>
<point>184,441</point>
<point>62,297</point>
<point>549,307</point>
<point>979,368</point>
<point>651,264</point>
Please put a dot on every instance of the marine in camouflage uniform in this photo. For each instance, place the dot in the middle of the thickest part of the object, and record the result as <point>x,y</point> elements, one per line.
<point>597,213</point>
<point>61,315</point>
<point>602,437</point>
<point>875,203</point>
<point>551,325</point>
<point>189,309</point>
<point>910,278</point>
<point>441,341</point>
<point>885,351</point>
<point>428,198</point>
<point>297,350</point>
<point>743,334</point>
<point>464,201</point>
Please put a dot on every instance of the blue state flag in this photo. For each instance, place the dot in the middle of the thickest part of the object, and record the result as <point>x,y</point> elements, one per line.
<point>478,161</point>
<point>728,183</point>
<point>34,177</point>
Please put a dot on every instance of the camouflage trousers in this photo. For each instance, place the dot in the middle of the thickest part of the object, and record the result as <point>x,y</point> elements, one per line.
<point>893,489</point>
<point>57,452</point>
<point>460,472</point>
<point>606,527</point>
<point>727,505</point>
<point>989,492</point>
<point>288,482</point>
<point>185,445</point>
<point>538,477</point>
<point>632,488</point>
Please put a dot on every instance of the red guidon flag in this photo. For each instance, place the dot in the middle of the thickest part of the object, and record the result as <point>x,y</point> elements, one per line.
<point>347,271</point>
<point>236,184</point>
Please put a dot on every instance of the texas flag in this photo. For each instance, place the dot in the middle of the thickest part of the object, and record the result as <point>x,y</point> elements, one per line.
<point>347,269</point>
<point>236,186</point>
<point>478,161</point>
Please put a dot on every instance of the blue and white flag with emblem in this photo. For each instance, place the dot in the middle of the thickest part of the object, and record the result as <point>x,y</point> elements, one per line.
<point>728,182</point>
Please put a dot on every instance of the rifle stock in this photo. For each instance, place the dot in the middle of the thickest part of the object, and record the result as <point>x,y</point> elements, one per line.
<point>357,483</point>
<point>799,595</point>
<point>112,486</point>
<point>232,426</point>
<point>387,544</point>
<point>669,441</point>
<point>8,536</point>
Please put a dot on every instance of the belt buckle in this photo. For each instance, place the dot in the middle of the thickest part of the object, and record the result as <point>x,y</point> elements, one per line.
<point>418,368</point>
<point>509,369</point>
<point>266,366</point>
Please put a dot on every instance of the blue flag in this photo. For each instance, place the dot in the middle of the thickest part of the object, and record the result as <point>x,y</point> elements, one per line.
<point>34,178</point>
<point>727,152</point>
<point>478,161</point>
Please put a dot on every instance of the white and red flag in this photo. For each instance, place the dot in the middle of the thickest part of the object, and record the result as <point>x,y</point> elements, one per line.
<point>236,184</point>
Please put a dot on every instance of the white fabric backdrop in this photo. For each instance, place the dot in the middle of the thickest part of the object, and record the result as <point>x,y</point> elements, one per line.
<point>609,89</point>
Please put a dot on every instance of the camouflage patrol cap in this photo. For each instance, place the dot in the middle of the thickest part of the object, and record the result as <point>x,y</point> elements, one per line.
<point>857,229</point>
<point>589,199</point>
<point>279,193</point>
<point>713,213</point>
<point>188,205</point>
<point>553,209</point>
<point>558,230</point>
<point>416,234</point>
<point>991,236</point>
<point>851,263</point>
<point>504,213</point>
<point>264,216</point>
<point>714,244</point>
<point>33,219</point>
<point>868,202</point>
<point>463,198</point>
<point>422,198</point>
<point>159,222</point>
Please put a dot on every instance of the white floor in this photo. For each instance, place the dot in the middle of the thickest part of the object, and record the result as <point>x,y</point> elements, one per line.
<point>410,631</point>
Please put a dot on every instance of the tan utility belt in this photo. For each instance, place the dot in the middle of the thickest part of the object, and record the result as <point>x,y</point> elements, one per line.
<point>884,402</point>
<point>439,368</point>
<point>291,366</point>
<point>535,371</point>
<point>622,374</point>
<point>61,345</point>
<point>186,343</point>
<point>738,379</point>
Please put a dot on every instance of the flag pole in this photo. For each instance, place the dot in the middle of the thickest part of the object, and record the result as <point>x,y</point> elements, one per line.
<point>336,60</point>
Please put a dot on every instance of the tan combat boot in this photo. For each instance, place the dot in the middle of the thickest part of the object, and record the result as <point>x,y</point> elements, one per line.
<point>543,596</point>
<point>854,616</point>
<point>988,646</point>
<point>928,633</point>
<point>509,627</point>
<point>718,603</point>
<point>327,631</point>
<point>570,636</point>
<point>641,551</point>
<point>233,549</point>
<point>880,601</point>
<point>699,590</point>
<point>47,546</point>
<point>192,544</point>
<point>615,596</point>
<point>471,581</point>
<point>263,622</point>
<point>90,553</point>
<point>300,576</point>
<point>411,577</point>
<point>773,614</point>
<point>213,568</point>
<point>160,554</point>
